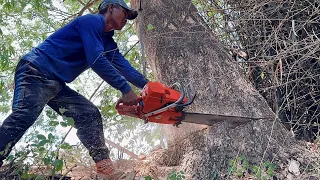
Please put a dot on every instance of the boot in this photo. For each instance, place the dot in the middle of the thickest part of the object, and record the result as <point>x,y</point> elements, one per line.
<point>106,170</point>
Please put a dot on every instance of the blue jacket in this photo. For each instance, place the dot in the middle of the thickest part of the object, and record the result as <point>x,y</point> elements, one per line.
<point>82,44</point>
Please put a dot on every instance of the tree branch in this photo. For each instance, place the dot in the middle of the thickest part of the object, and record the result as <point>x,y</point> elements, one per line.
<point>87,6</point>
<point>122,149</point>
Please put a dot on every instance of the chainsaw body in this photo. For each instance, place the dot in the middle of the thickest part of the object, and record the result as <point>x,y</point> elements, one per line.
<point>159,104</point>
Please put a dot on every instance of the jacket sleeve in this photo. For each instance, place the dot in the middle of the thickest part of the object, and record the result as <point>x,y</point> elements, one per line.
<point>123,65</point>
<point>91,30</point>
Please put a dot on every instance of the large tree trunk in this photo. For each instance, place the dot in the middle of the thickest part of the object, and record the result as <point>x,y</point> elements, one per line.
<point>181,48</point>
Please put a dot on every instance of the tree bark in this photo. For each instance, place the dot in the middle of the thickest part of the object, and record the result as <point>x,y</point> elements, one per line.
<point>180,47</point>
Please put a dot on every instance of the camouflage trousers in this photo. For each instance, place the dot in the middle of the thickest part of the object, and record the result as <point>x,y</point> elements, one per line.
<point>33,90</point>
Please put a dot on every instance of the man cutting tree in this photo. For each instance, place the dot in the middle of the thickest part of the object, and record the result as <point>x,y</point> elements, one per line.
<point>41,76</point>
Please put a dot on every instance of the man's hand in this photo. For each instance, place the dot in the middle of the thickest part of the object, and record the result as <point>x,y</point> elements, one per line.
<point>129,99</point>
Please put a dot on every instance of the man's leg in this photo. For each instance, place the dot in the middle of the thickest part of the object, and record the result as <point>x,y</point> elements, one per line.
<point>32,91</point>
<point>87,119</point>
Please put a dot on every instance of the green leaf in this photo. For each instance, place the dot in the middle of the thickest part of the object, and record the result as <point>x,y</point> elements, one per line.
<point>229,170</point>
<point>35,177</point>
<point>50,136</point>
<point>11,50</point>
<point>54,123</point>
<point>270,169</point>
<point>62,110</point>
<point>210,14</point>
<point>70,121</point>
<point>53,154</point>
<point>9,158</point>
<point>41,137</point>
<point>65,146</point>
<point>57,164</point>
<point>47,161</point>
<point>42,149</point>
<point>51,114</point>
<point>63,124</point>
<point>255,168</point>
<point>150,27</point>
<point>172,176</point>
<point>262,75</point>
<point>257,171</point>
<point>148,178</point>
<point>272,166</point>
<point>231,162</point>
<point>215,175</point>
<point>25,173</point>
<point>43,142</point>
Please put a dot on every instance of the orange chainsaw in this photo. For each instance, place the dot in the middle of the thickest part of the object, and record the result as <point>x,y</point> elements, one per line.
<point>165,105</point>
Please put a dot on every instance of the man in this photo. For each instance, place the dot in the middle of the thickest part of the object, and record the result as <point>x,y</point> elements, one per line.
<point>41,75</point>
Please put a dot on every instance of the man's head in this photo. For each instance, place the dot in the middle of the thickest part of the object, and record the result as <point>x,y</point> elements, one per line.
<point>116,13</point>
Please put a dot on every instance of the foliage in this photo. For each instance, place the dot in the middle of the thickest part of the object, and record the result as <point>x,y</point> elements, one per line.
<point>150,27</point>
<point>265,172</point>
<point>43,151</point>
<point>174,175</point>
<point>240,167</point>
<point>40,152</point>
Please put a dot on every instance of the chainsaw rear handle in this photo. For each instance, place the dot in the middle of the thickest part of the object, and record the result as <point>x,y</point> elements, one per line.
<point>190,98</point>
<point>173,105</point>
<point>133,110</point>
